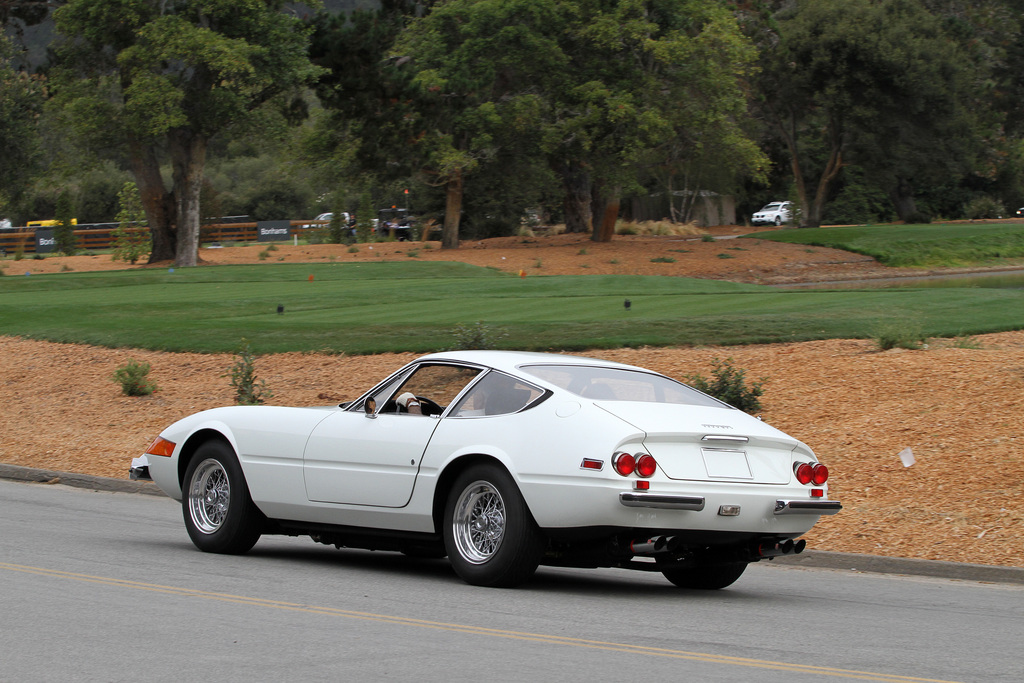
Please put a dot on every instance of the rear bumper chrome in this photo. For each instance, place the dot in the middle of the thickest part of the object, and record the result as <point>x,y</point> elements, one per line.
<point>661,501</point>
<point>807,507</point>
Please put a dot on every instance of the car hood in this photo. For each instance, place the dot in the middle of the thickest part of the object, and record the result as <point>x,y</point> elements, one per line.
<point>710,444</point>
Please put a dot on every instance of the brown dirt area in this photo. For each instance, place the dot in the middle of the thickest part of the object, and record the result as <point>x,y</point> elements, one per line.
<point>961,410</point>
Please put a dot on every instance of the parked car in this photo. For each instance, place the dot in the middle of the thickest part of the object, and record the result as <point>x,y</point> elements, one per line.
<point>326,218</point>
<point>503,461</point>
<point>775,213</point>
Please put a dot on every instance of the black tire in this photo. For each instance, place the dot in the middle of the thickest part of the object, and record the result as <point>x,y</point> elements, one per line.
<point>489,533</point>
<point>706,577</point>
<point>778,220</point>
<point>219,514</point>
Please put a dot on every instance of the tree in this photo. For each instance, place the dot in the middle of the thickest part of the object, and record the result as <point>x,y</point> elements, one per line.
<point>873,80</point>
<point>131,239</point>
<point>64,232</point>
<point>592,86</point>
<point>165,78</point>
<point>21,102</point>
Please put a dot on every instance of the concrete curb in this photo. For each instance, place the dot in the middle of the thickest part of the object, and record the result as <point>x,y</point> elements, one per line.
<point>817,559</point>
<point>82,481</point>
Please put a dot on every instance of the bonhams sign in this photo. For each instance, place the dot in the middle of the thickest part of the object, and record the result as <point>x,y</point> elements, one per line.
<point>46,243</point>
<point>273,231</point>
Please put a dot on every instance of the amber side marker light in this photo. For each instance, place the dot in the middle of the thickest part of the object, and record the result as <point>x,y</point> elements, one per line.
<point>161,446</point>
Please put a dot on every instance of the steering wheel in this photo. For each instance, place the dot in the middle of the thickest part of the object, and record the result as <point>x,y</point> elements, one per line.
<point>428,407</point>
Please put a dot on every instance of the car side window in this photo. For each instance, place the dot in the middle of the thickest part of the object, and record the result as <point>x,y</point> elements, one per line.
<point>433,388</point>
<point>496,394</point>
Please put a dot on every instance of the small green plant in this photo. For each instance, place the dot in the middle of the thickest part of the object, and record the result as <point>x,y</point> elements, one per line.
<point>133,378</point>
<point>724,255</point>
<point>262,256</point>
<point>614,262</point>
<point>413,253</point>
<point>476,336</point>
<point>708,238</point>
<point>249,391</point>
<point>271,247</point>
<point>681,251</point>
<point>353,249</point>
<point>729,384</point>
<point>538,264</point>
<point>966,342</point>
<point>898,334</point>
<point>663,259</point>
<point>582,252</point>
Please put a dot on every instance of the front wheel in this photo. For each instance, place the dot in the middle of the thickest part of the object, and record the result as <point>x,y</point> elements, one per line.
<point>220,517</point>
<point>706,577</point>
<point>489,533</point>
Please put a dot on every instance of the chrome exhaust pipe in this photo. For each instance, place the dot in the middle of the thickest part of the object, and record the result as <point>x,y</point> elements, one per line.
<point>774,549</point>
<point>654,545</point>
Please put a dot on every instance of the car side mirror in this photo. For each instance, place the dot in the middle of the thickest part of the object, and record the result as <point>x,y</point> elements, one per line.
<point>370,407</point>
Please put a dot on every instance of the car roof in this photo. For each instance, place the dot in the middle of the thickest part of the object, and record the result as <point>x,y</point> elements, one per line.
<point>509,361</point>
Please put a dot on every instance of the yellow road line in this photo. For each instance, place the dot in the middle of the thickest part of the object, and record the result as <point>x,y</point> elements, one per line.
<point>474,630</point>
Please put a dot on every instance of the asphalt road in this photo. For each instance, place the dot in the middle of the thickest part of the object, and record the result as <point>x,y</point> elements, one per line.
<point>101,586</point>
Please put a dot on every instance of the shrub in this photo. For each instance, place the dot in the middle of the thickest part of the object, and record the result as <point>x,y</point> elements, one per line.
<point>131,242</point>
<point>984,207</point>
<point>729,384</point>
<point>707,238</point>
<point>476,336</point>
<point>133,379</point>
<point>898,334</point>
<point>249,391</point>
<point>663,259</point>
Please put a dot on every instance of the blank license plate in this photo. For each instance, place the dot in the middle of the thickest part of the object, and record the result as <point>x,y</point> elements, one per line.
<point>726,463</point>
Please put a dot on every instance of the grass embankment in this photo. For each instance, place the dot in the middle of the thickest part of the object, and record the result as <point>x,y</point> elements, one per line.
<point>927,246</point>
<point>372,308</point>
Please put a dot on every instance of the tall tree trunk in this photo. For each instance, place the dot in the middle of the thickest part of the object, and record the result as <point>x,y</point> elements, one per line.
<point>188,157</point>
<point>902,197</point>
<point>159,205</point>
<point>452,211</point>
<point>576,181</point>
<point>605,210</point>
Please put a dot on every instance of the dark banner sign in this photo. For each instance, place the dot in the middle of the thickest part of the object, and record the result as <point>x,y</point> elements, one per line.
<point>274,231</point>
<point>45,241</point>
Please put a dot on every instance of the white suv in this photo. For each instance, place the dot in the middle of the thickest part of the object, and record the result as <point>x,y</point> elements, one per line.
<point>775,213</point>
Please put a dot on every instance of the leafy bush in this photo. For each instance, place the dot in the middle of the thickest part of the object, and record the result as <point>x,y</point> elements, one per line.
<point>476,336</point>
<point>984,207</point>
<point>249,391</point>
<point>130,243</point>
<point>729,384</point>
<point>133,378</point>
<point>898,334</point>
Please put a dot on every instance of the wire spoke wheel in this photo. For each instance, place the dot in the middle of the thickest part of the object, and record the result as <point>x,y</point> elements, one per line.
<point>489,534</point>
<point>478,526</point>
<point>209,496</point>
<point>220,516</point>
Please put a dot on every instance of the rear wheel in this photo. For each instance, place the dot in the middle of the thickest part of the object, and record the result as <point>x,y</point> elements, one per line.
<point>219,514</point>
<point>706,577</point>
<point>489,534</point>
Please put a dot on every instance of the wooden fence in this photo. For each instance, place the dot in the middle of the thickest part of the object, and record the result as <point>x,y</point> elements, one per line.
<point>23,240</point>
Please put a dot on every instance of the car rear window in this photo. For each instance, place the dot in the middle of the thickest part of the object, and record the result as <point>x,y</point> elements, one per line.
<point>615,384</point>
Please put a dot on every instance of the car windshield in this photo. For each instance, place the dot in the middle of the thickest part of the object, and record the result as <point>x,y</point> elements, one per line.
<point>615,384</point>
<point>772,207</point>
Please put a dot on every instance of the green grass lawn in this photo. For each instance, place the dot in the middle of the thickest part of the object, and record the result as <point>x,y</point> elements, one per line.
<point>916,245</point>
<point>415,306</point>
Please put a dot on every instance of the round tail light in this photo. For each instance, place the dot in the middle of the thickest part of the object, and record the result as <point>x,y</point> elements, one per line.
<point>819,474</point>
<point>804,472</point>
<point>645,465</point>
<point>624,463</point>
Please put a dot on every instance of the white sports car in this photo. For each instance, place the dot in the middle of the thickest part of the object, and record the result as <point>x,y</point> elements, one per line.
<point>503,461</point>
